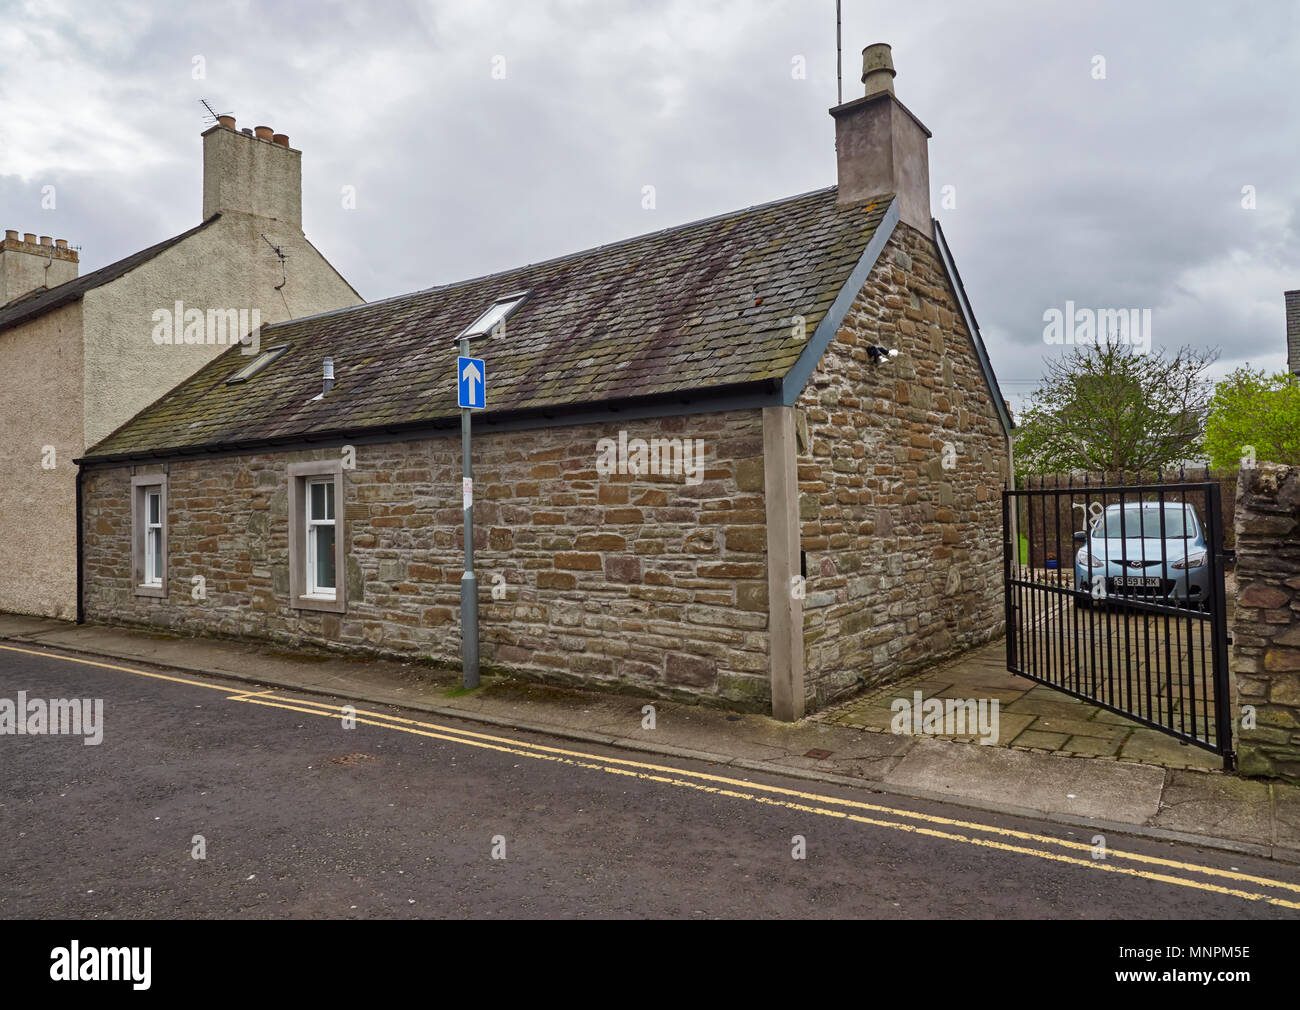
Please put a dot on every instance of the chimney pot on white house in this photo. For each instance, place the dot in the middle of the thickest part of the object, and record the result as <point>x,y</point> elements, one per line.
<point>880,147</point>
<point>28,264</point>
<point>241,175</point>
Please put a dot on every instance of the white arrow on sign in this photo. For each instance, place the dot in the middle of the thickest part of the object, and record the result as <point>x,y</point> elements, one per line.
<point>471,375</point>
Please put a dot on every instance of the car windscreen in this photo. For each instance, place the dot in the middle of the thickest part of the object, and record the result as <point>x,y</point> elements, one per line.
<point>1145,522</point>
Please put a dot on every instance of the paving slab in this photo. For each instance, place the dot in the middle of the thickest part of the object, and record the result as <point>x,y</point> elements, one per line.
<point>1108,791</point>
<point>1091,746</point>
<point>1150,746</point>
<point>1044,741</point>
<point>1196,801</point>
<point>18,625</point>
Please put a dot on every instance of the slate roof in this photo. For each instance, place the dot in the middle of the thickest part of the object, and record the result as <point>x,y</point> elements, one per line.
<point>42,300</point>
<point>694,308</point>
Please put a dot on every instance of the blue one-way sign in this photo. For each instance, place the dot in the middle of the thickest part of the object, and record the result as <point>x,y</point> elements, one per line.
<point>471,382</point>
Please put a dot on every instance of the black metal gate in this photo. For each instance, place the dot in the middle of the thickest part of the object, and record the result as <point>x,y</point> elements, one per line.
<point>1115,594</point>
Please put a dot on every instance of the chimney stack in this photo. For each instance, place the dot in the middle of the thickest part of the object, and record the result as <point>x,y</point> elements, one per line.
<point>29,264</point>
<point>1293,331</point>
<point>880,147</point>
<point>251,172</point>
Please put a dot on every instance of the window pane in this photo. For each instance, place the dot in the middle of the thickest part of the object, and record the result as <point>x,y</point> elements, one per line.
<point>324,557</point>
<point>329,500</point>
<point>155,560</point>
<point>318,499</point>
<point>1139,522</point>
<point>154,498</point>
<point>257,363</point>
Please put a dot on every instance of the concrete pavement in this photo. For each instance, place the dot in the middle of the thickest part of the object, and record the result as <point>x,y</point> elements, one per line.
<point>1176,804</point>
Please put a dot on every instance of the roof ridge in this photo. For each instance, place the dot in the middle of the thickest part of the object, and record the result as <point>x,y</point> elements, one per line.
<point>553,259</point>
<point>41,300</point>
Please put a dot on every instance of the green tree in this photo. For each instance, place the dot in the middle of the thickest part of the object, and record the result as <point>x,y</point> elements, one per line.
<point>1255,416</point>
<point>1108,407</point>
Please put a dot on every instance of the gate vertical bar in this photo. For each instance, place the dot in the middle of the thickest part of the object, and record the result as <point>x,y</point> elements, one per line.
<point>1008,545</point>
<point>1218,632</point>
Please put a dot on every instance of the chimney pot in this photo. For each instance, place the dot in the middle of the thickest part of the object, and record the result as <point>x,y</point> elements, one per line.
<point>227,121</point>
<point>62,243</point>
<point>46,240</point>
<point>880,147</point>
<point>244,179</point>
<point>281,138</point>
<point>11,234</point>
<point>29,238</point>
<point>878,68</point>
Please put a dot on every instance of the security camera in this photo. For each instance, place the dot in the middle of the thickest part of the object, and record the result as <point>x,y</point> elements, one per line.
<point>878,353</point>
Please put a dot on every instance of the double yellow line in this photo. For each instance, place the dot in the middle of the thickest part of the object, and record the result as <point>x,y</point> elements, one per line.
<point>928,825</point>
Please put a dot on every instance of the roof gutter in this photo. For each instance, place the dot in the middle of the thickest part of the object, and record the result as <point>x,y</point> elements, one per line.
<point>736,396</point>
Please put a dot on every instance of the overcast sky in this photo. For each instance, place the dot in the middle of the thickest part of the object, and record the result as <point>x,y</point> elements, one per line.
<point>1122,192</point>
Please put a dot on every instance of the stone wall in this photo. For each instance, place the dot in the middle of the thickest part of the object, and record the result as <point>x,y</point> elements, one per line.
<point>903,553</point>
<point>645,580</point>
<point>1266,628</point>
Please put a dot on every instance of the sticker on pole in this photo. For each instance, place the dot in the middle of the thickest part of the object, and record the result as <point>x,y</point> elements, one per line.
<point>471,382</point>
<point>467,491</point>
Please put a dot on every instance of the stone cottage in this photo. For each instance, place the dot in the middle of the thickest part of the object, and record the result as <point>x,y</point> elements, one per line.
<point>755,458</point>
<point>81,355</point>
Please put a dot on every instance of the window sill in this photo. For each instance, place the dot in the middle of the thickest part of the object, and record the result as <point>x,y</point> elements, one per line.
<point>308,601</point>
<point>157,592</point>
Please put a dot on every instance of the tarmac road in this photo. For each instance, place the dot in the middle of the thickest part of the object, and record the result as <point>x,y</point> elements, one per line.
<point>401,817</point>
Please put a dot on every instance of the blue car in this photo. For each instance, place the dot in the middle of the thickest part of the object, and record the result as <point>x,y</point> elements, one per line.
<point>1138,557</point>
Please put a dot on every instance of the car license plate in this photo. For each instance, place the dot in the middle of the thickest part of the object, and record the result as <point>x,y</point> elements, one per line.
<point>1145,581</point>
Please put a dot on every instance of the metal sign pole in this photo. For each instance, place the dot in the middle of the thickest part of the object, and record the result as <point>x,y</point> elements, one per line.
<point>468,581</point>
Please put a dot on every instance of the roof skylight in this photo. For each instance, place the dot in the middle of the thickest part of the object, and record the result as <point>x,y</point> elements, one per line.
<point>257,364</point>
<point>497,314</point>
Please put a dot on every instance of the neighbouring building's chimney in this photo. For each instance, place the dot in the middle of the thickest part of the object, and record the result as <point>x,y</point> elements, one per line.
<point>28,264</point>
<point>249,172</point>
<point>880,146</point>
<point>1293,331</point>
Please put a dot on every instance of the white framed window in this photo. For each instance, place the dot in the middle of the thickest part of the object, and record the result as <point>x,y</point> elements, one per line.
<point>149,534</point>
<point>153,546</point>
<point>322,575</point>
<point>316,536</point>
